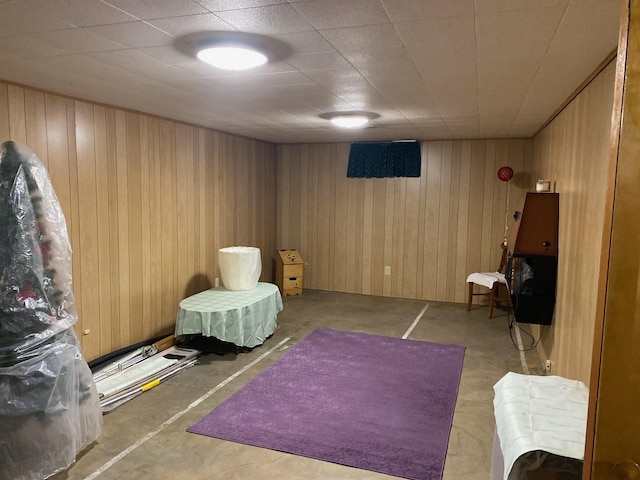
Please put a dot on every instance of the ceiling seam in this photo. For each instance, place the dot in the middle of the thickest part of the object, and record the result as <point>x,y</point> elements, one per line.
<point>546,52</point>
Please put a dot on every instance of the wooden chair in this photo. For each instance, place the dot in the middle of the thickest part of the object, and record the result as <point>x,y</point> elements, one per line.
<point>491,280</point>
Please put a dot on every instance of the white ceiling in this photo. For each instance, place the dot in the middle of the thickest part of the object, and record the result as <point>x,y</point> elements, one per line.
<point>432,69</point>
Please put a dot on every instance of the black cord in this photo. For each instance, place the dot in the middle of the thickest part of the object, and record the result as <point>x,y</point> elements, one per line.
<point>534,342</point>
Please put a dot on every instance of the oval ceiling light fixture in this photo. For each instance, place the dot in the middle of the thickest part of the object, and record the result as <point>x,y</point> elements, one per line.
<point>232,57</point>
<point>350,119</point>
<point>232,50</point>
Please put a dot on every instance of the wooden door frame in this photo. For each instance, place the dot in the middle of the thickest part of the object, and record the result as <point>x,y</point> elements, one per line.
<point>601,304</point>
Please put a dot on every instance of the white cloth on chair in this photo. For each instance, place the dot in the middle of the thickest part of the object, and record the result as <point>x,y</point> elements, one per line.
<point>486,279</point>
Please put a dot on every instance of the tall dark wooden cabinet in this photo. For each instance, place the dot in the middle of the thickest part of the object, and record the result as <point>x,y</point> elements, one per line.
<point>532,268</point>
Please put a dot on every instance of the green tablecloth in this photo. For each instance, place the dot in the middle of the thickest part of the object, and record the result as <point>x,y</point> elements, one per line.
<point>243,317</point>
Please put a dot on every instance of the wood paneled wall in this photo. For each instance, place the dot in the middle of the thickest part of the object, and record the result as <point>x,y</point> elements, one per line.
<point>573,151</point>
<point>613,422</point>
<point>432,231</point>
<point>148,203</point>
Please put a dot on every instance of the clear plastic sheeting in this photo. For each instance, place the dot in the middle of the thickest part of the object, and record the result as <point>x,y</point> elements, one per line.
<point>49,406</point>
<point>240,267</point>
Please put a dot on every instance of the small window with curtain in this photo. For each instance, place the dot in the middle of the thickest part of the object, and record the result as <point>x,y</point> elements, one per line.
<point>384,159</point>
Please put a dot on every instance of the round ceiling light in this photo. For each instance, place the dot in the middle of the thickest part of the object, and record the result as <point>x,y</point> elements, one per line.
<point>232,57</point>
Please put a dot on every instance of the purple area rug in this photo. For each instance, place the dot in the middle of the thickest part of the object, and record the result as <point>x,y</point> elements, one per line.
<point>377,403</point>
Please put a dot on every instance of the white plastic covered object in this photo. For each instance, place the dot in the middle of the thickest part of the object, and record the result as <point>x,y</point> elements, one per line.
<point>539,414</point>
<point>240,267</point>
<point>49,406</point>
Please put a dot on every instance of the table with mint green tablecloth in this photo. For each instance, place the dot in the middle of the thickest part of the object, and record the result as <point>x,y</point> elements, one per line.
<point>243,317</point>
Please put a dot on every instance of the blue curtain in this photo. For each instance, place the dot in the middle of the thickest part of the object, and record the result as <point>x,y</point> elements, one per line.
<point>384,159</point>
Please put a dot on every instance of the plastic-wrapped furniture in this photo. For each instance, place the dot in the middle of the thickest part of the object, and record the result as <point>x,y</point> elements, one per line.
<point>49,407</point>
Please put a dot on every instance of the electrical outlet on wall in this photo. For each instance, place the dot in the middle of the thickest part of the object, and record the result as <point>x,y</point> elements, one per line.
<point>387,270</point>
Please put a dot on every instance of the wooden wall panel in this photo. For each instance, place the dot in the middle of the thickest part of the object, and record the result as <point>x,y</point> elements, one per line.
<point>103,225</point>
<point>17,114</point>
<point>420,227</point>
<point>36,129</point>
<point>573,152</point>
<point>88,213</point>
<point>148,203</point>
<point>4,111</point>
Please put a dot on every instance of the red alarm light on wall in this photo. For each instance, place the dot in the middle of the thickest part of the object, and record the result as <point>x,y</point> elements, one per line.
<point>505,173</point>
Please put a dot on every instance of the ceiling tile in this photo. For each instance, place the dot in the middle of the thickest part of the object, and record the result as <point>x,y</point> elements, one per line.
<point>26,71</point>
<point>369,46</point>
<point>511,46</point>
<point>389,56</point>
<point>149,9</point>
<point>526,118</point>
<point>199,86</point>
<point>327,103</point>
<point>611,3</point>
<point>76,40</point>
<point>468,133</point>
<point>372,102</point>
<point>524,130</point>
<point>487,131</point>
<point>168,54</point>
<point>493,6</point>
<point>279,93</point>
<point>389,77</point>
<point>305,42</point>
<point>461,122</point>
<point>324,14</point>
<point>412,10</point>
<point>81,13</point>
<point>201,69</point>
<point>438,33</point>
<point>25,46</point>
<point>92,68</point>
<point>269,20</point>
<point>293,106</point>
<point>17,19</point>
<point>140,64</point>
<point>363,39</point>
<point>339,80</point>
<point>587,33</point>
<point>73,83</point>
<point>428,122</point>
<point>444,53</point>
<point>411,110</point>
<point>187,24</point>
<point>501,121</point>
<point>263,79</point>
<point>222,5</point>
<point>317,61</point>
<point>198,69</point>
<point>133,34</point>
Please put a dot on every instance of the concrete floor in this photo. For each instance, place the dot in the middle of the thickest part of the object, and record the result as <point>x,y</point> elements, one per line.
<point>151,448</point>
